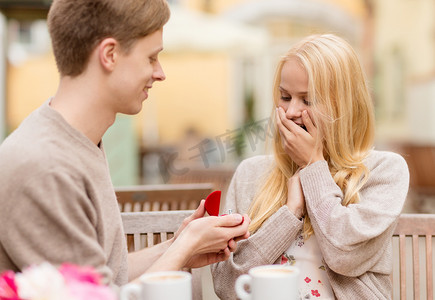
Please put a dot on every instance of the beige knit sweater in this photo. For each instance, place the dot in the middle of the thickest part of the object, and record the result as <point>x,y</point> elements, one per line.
<point>355,240</point>
<point>57,200</point>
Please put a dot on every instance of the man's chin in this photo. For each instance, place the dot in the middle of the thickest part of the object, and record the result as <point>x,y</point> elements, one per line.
<point>132,110</point>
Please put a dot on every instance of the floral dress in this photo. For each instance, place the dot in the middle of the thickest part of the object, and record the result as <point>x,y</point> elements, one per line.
<point>313,280</point>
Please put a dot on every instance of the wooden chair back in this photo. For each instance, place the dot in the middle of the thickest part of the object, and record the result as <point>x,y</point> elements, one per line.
<point>162,197</point>
<point>149,228</point>
<point>412,244</point>
<point>152,227</point>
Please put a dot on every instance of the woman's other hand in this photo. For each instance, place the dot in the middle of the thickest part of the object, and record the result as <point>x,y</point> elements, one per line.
<point>295,196</point>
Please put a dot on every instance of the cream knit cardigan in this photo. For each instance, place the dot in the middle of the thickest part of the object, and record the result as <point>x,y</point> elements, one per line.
<point>355,240</point>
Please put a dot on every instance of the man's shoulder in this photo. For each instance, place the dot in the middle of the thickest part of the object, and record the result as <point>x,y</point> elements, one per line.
<point>30,154</point>
<point>22,161</point>
<point>27,145</point>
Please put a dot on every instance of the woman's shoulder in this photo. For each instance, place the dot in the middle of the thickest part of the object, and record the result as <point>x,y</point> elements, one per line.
<point>386,160</point>
<point>255,166</point>
<point>256,162</point>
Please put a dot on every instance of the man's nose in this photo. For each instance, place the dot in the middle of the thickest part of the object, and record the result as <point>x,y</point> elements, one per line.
<point>159,74</point>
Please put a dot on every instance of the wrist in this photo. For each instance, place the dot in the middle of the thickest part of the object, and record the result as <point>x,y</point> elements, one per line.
<point>317,157</point>
<point>298,213</point>
<point>185,246</point>
<point>170,241</point>
<point>174,258</point>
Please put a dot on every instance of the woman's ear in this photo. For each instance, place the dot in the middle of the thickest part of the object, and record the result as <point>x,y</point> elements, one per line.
<point>108,53</point>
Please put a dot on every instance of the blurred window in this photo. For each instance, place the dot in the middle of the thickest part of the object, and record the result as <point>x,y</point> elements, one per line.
<point>27,38</point>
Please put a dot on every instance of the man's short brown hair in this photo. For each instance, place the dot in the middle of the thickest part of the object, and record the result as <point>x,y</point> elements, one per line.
<point>77,26</point>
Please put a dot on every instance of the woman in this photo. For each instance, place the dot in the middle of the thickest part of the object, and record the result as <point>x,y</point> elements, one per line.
<point>326,201</point>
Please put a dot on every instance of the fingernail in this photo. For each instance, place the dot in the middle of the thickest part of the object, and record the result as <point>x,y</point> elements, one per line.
<point>305,113</point>
<point>237,217</point>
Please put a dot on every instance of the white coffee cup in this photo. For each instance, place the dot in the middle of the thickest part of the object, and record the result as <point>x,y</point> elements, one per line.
<point>167,285</point>
<point>278,282</point>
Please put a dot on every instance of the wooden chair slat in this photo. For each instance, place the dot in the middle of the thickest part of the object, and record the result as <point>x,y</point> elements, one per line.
<point>136,241</point>
<point>163,237</point>
<point>415,226</point>
<point>402,265</point>
<point>416,267</point>
<point>150,239</point>
<point>429,268</point>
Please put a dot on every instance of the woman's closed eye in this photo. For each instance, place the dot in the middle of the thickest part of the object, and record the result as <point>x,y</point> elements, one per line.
<point>306,102</point>
<point>286,98</point>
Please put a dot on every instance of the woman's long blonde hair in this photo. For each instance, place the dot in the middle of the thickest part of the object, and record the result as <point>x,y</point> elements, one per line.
<point>343,113</point>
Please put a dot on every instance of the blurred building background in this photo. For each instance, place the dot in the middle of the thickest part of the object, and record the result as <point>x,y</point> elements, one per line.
<point>219,58</point>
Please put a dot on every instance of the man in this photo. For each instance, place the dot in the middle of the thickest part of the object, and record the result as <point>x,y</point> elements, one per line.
<point>57,199</point>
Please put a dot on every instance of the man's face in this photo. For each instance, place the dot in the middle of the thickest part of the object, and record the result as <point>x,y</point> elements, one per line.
<point>136,71</point>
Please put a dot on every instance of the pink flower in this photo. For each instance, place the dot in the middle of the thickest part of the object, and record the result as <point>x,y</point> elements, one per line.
<point>8,288</point>
<point>78,273</point>
<point>69,282</point>
<point>41,282</point>
<point>85,290</point>
<point>315,293</point>
<point>307,280</point>
<point>84,283</point>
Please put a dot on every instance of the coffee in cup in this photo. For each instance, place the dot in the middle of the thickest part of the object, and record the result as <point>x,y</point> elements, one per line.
<point>278,282</point>
<point>160,286</point>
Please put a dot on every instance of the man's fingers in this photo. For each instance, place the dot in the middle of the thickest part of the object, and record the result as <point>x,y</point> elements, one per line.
<point>243,237</point>
<point>236,225</point>
<point>223,255</point>
<point>232,245</point>
<point>230,220</point>
<point>199,212</point>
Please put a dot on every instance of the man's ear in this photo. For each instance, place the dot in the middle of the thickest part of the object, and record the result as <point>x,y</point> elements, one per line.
<point>108,53</point>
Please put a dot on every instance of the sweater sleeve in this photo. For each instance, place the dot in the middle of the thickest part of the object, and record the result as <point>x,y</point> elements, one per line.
<point>52,219</point>
<point>264,247</point>
<point>354,238</point>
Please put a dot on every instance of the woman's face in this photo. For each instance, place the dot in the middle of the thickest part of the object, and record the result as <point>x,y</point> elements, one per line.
<point>294,91</point>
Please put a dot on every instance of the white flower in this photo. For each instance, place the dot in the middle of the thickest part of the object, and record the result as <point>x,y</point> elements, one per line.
<point>43,282</point>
